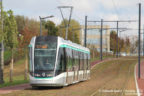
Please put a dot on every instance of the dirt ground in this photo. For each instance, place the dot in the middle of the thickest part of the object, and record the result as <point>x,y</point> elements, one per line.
<point>110,78</point>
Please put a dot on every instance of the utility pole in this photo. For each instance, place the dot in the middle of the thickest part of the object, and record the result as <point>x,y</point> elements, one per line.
<point>101,41</point>
<point>117,41</point>
<point>139,42</point>
<point>85,36</point>
<point>65,23</point>
<point>2,49</point>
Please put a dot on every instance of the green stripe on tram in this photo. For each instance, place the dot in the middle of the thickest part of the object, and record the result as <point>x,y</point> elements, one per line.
<point>43,77</point>
<point>67,46</point>
<point>29,45</point>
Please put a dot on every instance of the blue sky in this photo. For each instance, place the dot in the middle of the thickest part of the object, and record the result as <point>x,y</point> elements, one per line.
<point>95,9</point>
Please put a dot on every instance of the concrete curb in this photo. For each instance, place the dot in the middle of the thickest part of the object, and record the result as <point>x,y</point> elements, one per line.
<point>101,62</point>
<point>137,88</point>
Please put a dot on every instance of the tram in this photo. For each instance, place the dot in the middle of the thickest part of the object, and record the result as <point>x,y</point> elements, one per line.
<point>54,61</point>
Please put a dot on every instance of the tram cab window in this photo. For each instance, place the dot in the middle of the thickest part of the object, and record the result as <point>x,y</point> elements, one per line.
<point>45,56</point>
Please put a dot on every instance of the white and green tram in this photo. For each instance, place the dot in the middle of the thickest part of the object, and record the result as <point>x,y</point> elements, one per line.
<point>54,61</point>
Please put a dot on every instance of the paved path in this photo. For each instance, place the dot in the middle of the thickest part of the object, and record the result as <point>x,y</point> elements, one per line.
<point>10,89</point>
<point>141,80</point>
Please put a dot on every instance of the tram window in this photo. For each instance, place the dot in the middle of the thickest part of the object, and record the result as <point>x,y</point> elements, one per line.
<point>72,59</point>
<point>69,59</point>
<point>61,63</point>
<point>60,66</point>
<point>79,61</point>
<point>65,59</point>
<point>87,61</point>
<point>84,60</point>
<point>88,57</point>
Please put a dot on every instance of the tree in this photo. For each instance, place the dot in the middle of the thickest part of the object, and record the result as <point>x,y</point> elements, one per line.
<point>113,39</point>
<point>20,20</point>
<point>51,28</point>
<point>11,36</point>
<point>27,28</point>
<point>127,45</point>
<point>73,31</point>
<point>134,45</point>
<point>2,45</point>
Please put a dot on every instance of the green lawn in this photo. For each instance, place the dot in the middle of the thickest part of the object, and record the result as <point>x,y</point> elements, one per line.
<point>18,74</point>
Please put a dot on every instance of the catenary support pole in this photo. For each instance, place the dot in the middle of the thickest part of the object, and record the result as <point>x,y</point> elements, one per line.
<point>67,24</point>
<point>139,45</point>
<point>117,53</point>
<point>101,42</point>
<point>85,36</point>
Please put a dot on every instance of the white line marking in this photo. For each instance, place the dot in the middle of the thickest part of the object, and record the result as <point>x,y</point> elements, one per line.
<point>137,88</point>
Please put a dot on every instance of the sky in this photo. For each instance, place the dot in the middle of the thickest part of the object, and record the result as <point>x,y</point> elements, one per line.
<point>94,9</point>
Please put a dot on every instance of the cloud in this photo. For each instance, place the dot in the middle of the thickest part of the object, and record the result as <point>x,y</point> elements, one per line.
<point>79,5</point>
<point>111,4</point>
<point>97,9</point>
<point>111,17</point>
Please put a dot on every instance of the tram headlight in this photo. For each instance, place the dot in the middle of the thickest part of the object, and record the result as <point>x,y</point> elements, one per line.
<point>49,75</point>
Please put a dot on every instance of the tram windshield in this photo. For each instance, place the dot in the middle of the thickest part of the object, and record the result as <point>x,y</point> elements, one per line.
<point>44,56</point>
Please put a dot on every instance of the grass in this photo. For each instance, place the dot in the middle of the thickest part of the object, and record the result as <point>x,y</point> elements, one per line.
<point>7,55</point>
<point>15,82</point>
<point>98,58</point>
<point>18,74</point>
<point>110,75</point>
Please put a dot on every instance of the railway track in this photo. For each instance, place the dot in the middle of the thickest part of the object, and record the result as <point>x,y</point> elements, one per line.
<point>104,91</point>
